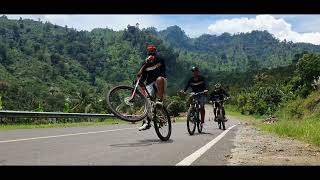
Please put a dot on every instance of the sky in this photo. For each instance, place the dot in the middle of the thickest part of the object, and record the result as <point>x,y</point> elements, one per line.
<point>295,28</point>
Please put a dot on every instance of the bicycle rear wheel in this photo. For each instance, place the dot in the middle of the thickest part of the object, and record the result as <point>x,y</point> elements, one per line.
<point>120,103</point>
<point>223,125</point>
<point>162,123</point>
<point>191,123</point>
<point>221,120</point>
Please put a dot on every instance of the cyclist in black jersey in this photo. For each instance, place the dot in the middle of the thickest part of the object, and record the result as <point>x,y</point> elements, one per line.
<point>218,94</point>
<point>153,71</point>
<point>198,84</point>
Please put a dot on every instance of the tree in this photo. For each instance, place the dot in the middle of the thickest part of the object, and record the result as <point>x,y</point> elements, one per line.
<point>1,103</point>
<point>309,67</point>
<point>3,54</point>
<point>307,72</point>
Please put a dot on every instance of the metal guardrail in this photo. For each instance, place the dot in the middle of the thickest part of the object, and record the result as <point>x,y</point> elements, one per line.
<point>31,114</point>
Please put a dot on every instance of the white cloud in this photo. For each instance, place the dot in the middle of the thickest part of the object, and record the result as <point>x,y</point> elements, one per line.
<point>278,27</point>
<point>192,27</point>
<point>89,22</point>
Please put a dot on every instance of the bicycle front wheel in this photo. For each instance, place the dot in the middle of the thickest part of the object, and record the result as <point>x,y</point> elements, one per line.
<point>162,123</point>
<point>191,124</point>
<point>124,107</point>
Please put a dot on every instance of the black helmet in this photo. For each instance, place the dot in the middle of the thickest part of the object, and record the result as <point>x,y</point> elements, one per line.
<point>194,68</point>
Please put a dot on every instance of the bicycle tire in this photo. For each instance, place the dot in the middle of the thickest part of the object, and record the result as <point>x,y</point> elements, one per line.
<point>222,120</point>
<point>199,127</point>
<point>219,117</point>
<point>119,115</point>
<point>191,130</point>
<point>158,123</point>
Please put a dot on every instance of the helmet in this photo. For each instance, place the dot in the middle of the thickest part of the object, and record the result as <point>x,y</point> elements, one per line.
<point>194,69</point>
<point>218,85</point>
<point>151,49</point>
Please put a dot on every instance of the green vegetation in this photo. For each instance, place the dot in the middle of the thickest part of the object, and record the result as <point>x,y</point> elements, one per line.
<point>54,125</point>
<point>45,67</point>
<point>300,119</point>
<point>271,92</point>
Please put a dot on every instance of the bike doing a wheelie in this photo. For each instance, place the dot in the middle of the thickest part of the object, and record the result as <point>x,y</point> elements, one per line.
<point>134,104</point>
<point>193,117</point>
<point>129,104</point>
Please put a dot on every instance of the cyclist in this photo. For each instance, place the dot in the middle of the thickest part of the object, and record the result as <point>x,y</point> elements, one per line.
<point>153,71</point>
<point>198,84</point>
<point>218,94</point>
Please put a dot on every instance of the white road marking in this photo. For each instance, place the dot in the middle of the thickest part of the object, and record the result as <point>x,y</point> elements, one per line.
<point>63,135</point>
<point>194,156</point>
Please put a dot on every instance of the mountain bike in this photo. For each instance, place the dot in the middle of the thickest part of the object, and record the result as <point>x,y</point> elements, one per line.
<point>129,104</point>
<point>220,118</point>
<point>193,117</point>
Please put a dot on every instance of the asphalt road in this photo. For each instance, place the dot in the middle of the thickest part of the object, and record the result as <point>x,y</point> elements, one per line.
<point>119,144</point>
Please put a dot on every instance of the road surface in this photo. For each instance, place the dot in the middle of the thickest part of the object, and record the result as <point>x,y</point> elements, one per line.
<point>120,144</point>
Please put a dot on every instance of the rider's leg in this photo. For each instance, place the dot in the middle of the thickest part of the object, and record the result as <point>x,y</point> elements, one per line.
<point>160,84</point>
<point>146,122</point>
<point>216,111</point>
<point>203,101</point>
<point>224,113</point>
<point>203,113</point>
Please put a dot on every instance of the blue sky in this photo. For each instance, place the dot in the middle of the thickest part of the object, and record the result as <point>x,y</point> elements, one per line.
<point>297,28</point>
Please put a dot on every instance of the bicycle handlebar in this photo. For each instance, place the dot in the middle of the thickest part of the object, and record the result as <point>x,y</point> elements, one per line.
<point>225,99</point>
<point>198,93</point>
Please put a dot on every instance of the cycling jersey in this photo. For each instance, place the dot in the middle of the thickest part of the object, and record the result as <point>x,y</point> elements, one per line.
<point>218,94</point>
<point>198,85</point>
<point>153,70</point>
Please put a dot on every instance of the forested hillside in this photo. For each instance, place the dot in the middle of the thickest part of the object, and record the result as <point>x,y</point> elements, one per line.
<point>46,67</point>
<point>240,52</point>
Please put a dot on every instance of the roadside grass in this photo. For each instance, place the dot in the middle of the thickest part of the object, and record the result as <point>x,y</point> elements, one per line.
<point>54,125</point>
<point>306,129</point>
<point>75,124</point>
<point>299,119</point>
<point>231,111</point>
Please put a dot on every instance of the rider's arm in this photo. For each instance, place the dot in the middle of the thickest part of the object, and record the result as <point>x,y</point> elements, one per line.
<point>142,72</point>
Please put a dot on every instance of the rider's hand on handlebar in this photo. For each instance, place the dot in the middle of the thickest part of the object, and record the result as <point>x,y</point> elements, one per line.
<point>205,92</point>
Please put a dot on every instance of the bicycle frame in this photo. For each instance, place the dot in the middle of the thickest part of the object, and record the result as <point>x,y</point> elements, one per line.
<point>194,101</point>
<point>135,89</point>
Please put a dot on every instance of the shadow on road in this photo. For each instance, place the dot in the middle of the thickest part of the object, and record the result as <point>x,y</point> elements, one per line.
<point>146,142</point>
<point>203,133</point>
